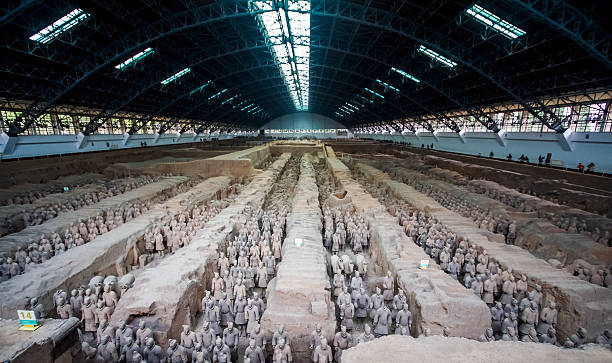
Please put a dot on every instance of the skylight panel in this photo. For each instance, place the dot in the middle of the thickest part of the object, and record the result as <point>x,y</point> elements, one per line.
<point>245,107</point>
<point>135,59</point>
<point>217,94</point>
<point>375,93</point>
<point>436,56</point>
<point>229,100</point>
<point>287,28</point>
<point>387,85</point>
<point>254,109</point>
<point>489,19</point>
<point>176,76</point>
<point>365,99</point>
<point>60,26</point>
<point>352,106</point>
<point>200,88</point>
<point>406,75</point>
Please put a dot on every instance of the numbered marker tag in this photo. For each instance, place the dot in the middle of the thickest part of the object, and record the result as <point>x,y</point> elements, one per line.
<point>298,242</point>
<point>27,318</point>
<point>424,264</point>
<point>66,189</point>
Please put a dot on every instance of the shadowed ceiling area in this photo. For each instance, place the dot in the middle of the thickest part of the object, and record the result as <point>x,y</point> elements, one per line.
<point>241,64</point>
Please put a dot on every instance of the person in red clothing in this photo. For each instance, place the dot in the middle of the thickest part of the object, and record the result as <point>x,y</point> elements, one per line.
<point>580,167</point>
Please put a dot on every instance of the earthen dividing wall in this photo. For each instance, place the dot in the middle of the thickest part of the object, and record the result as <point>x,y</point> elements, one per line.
<point>435,299</point>
<point>10,243</point>
<point>438,349</point>
<point>580,303</point>
<point>169,295</point>
<point>237,164</point>
<point>299,295</point>
<point>105,254</point>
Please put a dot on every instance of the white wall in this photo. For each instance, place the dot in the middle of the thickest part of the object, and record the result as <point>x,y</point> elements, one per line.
<point>29,146</point>
<point>597,148</point>
<point>302,121</point>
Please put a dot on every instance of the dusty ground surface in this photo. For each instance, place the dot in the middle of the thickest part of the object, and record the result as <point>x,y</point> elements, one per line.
<point>434,349</point>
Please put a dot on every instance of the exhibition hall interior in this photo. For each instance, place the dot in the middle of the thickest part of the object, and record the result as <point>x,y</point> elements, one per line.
<point>305,181</point>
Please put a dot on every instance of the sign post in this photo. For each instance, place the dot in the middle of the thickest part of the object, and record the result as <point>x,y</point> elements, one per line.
<point>27,319</point>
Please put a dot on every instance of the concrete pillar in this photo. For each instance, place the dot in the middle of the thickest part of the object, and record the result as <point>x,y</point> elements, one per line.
<point>57,127</point>
<point>75,123</point>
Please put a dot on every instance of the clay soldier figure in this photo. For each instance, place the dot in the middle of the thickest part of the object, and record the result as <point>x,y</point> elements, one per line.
<point>367,335</point>
<point>315,339</point>
<point>347,312</point>
<point>230,338</point>
<point>159,244</point>
<point>262,276</point>
<point>206,337</point>
<point>252,315</point>
<point>344,297</point>
<point>550,337</point>
<point>280,334</point>
<point>338,283</point>
<point>580,338</point>
<point>604,340</point>
<point>521,288</point>
<point>142,334</point>
<point>226,309</point>
<point>490,289</point>
<point>199,355</point>
<point>342,341</point>
<point>398,303</point>
<point>213,316</point>
<point>89,315</point>
<point>548,318</point>
<point>323,352</point>
<point>388,287</point>
<point>356,285</point>
<point>282,352</point>
<point>497,315</point>
<point>108,350</point>
<point>152,352</point>
<point>122,332</point>
<point>39,310</point>
<point>188,340</point>
<point>220,350</point>
<point>257,301</point>
<point>102,312</point>
<point>128,350</point>
<point>487,336</point>
<point>76,301</point>
<point>382,320</point>
<point>529,317</point>
<point>64,311</point>
<point>217,286</point>
<point>104,329</point>
<point>508,288</point>
<point>254,353</point>
<point>362,302</point>
<point>259,336</point>
<point>239,289</point>
<point>240,318</point>
<point>271,266</point>
<point>110,298</point>
<point>403,319</point>
<point>222,263</point>
<point>531,337</point>
<point>376,301</point>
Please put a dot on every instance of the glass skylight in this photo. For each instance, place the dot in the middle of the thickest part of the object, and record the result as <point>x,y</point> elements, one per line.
<point>365,99</point>
<point>387,85</point>
<point>487,18</point>
<point>60,26</point>
<point>254,109</point>
<point>375,93</point>
<point>287,29</point>
<point>199,88</point>
<point>247,106</point>
<point>135,59</point>
<point>436,56</point>
<point>229,100</point>
<point>217,94</point>
<point>176,76</point>
<point>406,75</point>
